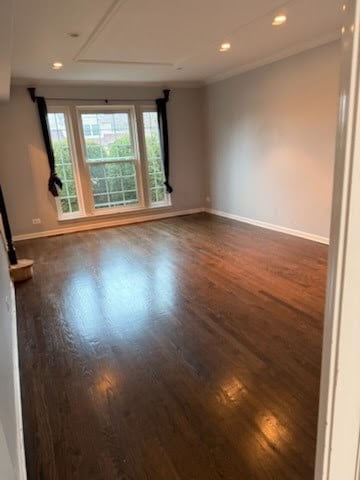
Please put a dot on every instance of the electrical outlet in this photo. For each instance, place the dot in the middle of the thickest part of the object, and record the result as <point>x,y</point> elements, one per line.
<point>207,199</point>
<point>36,221</point>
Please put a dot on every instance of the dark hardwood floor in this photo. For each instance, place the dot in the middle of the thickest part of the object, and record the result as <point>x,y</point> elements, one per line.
<point>186,348</point>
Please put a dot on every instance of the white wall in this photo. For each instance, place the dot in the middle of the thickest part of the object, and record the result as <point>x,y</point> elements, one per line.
<point>271,141</point>
<point>11,453</point>
<point>270,145</point>
<point>23,164</point>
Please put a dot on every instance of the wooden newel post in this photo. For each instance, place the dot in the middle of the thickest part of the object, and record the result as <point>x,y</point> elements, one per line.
<point>10,245</point>
<point>20,270</point>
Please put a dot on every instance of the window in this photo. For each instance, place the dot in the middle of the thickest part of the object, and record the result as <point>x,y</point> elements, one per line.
<point>154,162</point>
<point>87,130</point>
<point>117,172</point>
<point>111,159</point>
<point>68,203</point>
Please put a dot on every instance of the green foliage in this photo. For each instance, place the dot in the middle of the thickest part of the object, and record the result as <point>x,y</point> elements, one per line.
<point>152,146</point>
<point>156,176</point>
<point>61,151</point>
<point>94,150</point>
<point>121,148</point>
<point>65,171</point>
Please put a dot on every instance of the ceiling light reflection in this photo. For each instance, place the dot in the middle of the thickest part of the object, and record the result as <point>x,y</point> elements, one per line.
<point>225,47</point>
<point>273,430</point>
<point>279,20</point>
<point>106,383</point>
<point>233,391</point>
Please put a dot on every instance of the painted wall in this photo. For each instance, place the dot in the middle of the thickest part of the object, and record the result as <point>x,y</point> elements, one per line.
<point>267,154</point>
<point>9,448</point>
<point>271,141</point>
<point>23,163</point>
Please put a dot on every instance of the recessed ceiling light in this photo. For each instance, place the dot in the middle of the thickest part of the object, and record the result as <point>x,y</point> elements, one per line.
<point>279,20</point>
<point>57,65</point>
<point>225,47</point>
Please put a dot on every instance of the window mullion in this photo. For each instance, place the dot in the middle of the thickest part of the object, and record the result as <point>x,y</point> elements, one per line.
<point>134,126</point>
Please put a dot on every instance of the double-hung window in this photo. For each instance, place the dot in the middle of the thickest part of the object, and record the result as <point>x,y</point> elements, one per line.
<point>112,157</point>
<point>158,193</point>
<point>111,161</point>
<point>69,202</point>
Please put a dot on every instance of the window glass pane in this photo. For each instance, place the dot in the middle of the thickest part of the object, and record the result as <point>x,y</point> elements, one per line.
<point>154,161</point>
<point>110,154</point>
<point>114,184</point>
<point>87,130</point>
<point>63,162</point>
<point>95,130</point>
<point>107,136</point>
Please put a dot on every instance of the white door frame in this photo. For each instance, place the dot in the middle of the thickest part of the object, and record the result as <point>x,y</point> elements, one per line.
<point>337,456</point>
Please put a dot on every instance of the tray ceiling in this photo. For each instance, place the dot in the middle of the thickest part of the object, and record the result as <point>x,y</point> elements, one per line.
<point>161,40</point>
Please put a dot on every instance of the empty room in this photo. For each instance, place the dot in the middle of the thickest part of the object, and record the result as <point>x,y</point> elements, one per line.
<point>168,199</point>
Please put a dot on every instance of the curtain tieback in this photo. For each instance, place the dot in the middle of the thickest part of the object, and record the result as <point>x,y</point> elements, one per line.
<point>169,188</point>
<point>54,182</point>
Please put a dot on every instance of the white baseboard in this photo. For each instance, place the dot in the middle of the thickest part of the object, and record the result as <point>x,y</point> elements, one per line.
<point>21,466</point>
<point>270,226</point>
<point>158,216</point>
<point>114,222</point>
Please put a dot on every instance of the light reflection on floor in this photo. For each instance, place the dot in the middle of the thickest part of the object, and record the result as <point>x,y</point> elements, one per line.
<point>122,292</point>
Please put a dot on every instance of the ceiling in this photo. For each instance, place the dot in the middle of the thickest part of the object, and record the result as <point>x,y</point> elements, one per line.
<point>160,41</point>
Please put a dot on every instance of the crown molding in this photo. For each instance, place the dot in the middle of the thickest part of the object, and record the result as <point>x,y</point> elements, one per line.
<point>33,82</point>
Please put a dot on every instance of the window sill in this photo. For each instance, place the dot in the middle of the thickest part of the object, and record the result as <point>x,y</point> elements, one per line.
<point>114,213</point>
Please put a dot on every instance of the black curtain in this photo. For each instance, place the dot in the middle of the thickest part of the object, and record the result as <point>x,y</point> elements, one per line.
<point>54,181</point>
<point>164,136</point>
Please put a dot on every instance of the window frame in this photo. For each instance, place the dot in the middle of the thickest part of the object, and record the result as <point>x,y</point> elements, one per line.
<point>72,110</point>
<point>167,198</point>
<point>65,110</point>
<point>133,128</point>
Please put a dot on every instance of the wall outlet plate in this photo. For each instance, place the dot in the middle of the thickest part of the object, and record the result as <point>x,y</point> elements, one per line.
<point>36,221</point>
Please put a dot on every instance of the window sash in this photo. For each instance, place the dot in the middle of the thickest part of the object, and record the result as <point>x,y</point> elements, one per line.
<point>135,159</point>
<point>167,198</point>
<point>101,161</point>
<point>74,163</point>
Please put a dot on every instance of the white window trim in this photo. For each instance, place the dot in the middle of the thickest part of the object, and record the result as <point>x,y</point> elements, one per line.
<point>75,165</point>
<point>130,110</point>
<point>87,210</point>
<point>167,202</point>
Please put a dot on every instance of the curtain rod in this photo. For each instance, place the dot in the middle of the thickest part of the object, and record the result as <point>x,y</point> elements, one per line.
<point>32,93</point>
<point>106,100</point>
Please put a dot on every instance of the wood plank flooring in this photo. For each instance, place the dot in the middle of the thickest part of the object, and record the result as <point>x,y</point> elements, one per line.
<point>181,349</point>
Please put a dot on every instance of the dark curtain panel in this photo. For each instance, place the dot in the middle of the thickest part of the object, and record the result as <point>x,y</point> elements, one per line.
<point>164,136</point>
<point>54,181</point>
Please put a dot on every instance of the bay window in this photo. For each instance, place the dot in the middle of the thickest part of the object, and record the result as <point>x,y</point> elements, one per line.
<point>111,161</point>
